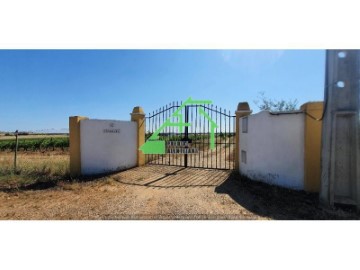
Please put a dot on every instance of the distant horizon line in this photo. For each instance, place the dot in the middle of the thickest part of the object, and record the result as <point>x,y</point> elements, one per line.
<point>41,131</point>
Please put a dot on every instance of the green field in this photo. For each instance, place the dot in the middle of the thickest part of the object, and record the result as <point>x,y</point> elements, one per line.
<point>31,136</point>
<point>35,143</point>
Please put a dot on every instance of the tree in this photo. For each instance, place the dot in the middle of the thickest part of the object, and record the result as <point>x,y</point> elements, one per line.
<point>266,104</point>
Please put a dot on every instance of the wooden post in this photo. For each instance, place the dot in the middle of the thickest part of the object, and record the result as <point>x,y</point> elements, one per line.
<point>16,148</point>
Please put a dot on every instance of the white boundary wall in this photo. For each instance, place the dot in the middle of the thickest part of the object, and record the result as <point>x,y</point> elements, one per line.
<point>107,146</point>
<point>274,146</point>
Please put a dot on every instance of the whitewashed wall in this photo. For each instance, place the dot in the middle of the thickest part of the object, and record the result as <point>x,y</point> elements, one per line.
<point>107,146</point>
<point>274,148</point>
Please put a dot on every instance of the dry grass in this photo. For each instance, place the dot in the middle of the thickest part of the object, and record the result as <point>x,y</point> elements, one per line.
<point>33,168</point>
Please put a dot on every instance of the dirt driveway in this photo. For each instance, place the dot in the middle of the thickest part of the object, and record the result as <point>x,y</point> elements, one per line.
<point>163,192</point>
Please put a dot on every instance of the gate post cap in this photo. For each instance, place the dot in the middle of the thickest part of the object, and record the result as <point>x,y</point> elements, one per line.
<point>243,106</point>
<point>138,110</point>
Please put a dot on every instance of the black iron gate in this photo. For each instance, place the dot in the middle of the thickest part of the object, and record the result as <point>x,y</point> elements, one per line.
<point>207,145</point>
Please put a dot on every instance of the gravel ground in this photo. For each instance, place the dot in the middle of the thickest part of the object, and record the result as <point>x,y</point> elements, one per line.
<point>163,192</point>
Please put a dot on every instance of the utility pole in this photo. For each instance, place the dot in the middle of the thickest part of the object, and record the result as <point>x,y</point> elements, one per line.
<point>340,177</point>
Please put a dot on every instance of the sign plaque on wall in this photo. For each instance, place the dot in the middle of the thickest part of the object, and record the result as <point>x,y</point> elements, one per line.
<point>111,129</point>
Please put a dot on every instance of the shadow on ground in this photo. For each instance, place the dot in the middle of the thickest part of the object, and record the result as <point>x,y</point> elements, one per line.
<point>159,176</point>
<point>280,203</point>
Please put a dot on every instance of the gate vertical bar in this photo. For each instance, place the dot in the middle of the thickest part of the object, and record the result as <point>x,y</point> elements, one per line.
<point>220,137</point>
<point>211,116</point>
<point>192,135</point>
<point>186,133</point>
<point>164,132</point>
<point>196,136</point>
<point>203,140</point>
<point>225,137</point>
<point>152,132</point>
<point>216,136</point>
<point>156,128</point>
<point>198,141</point>
<point>208,138</point>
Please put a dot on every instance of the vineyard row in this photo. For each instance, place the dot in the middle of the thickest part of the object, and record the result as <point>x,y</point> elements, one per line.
<point>40,144</point>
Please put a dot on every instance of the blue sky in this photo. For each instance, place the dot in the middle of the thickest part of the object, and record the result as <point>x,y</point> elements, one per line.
<point>40,89</point>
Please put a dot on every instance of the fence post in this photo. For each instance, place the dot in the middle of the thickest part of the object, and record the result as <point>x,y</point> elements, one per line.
<point>243,109</point>
<point>138,116</point>
<point>16,148</point>
<point>74,147</point>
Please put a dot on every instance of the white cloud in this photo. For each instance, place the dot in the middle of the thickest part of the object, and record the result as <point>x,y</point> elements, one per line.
<point>251,60</point>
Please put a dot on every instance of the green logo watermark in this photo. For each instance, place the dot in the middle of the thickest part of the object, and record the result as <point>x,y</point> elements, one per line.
<point>156,146</point>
